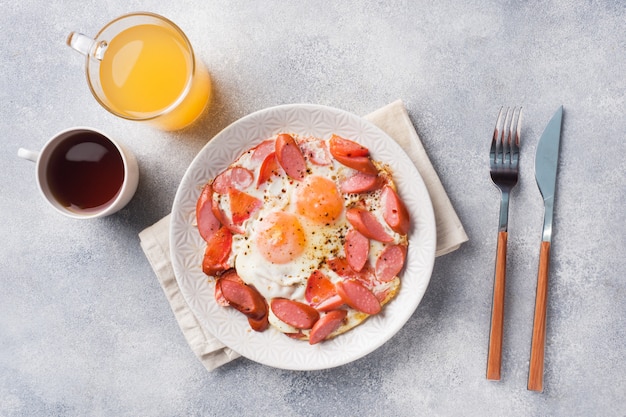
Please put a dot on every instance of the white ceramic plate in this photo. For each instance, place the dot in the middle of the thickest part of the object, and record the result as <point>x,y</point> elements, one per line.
<point>271,347</point>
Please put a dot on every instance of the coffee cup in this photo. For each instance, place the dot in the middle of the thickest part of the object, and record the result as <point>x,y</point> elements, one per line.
<point>83,173</point>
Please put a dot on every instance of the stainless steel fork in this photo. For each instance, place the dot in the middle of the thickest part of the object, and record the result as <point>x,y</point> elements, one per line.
<point>504,168</point>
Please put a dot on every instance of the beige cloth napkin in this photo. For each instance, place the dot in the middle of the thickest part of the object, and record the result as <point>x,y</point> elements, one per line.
<point>394,120</point>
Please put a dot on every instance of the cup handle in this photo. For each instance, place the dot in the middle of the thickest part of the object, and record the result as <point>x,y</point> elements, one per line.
<point>26,154</point>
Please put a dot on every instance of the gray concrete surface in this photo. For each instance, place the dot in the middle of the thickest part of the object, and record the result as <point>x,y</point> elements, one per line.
<point>85,329</point>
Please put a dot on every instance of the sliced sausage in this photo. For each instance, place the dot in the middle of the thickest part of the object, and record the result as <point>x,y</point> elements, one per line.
<point>217,251</point>
<point>345,147</point>
<point>230,274</point>
<point>244,298</point>
<point>395,212</point>
<point>223,218</point>
<point>294,313</point>
<point>318,288</point>
<point>316,151</point>
<point>296,335</point>
<point>290,157</point>
<point>360,183</point>
<point>327,324</point>
<point>390,262</point>
<point>241,178</point>
<point>357,249</point>
<point>221,183</point>
<point>262,150</point>
<point>367,224</point>
<point>219,297</point>
<point>260,325</point>
<point>234,177</point>
<point>357,296</point>
<point>208,224</point>
<point>382,293</point>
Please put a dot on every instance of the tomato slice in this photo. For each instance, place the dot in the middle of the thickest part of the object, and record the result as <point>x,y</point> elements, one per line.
<point>318,288</point>
<point>339,146</point>
<point>217,250</point>
<point>242,205</point>
<point>269,167</point>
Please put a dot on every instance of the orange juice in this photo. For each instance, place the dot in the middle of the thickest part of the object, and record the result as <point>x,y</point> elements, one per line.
<point>148,72</point>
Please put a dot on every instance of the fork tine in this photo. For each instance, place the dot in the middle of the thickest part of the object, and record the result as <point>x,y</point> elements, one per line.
<point>518,127</point>
<point>504,155</point>
<point>514,136</point>
<point>506,135</point>
<point>496,138</point>
<point>518,134</point>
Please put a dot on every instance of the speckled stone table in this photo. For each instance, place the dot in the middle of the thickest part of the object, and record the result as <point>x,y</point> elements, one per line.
<point>85,328</point>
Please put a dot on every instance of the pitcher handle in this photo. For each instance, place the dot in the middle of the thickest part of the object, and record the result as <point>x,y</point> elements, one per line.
<point>81,43</point>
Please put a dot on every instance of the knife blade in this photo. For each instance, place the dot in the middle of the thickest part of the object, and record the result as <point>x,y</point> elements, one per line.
<point>546,162</point>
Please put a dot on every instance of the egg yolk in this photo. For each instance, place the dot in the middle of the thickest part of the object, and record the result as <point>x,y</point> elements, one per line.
<point>281,237</point>
<point>319,200</point>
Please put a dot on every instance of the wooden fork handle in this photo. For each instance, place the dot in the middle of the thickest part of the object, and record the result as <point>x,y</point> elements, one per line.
<point>537,349</point>
<point>494,358</point>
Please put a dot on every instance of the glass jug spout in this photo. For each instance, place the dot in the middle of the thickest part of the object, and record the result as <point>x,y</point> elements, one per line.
<point>86,45</point>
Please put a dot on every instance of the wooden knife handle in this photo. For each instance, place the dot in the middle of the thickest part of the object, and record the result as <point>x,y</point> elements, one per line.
<point>494,358</point>
<point>537,349</point>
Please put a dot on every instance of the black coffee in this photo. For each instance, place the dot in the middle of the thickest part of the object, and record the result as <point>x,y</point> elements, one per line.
<point>85,172</point>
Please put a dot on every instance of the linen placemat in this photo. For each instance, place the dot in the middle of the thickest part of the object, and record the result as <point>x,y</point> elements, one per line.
<point>392,119</point>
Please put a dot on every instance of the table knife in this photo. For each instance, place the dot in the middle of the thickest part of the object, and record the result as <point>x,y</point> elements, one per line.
<point>546,162</point>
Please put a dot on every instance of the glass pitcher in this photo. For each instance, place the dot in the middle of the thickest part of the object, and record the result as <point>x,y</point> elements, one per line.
<point>141,67</point>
